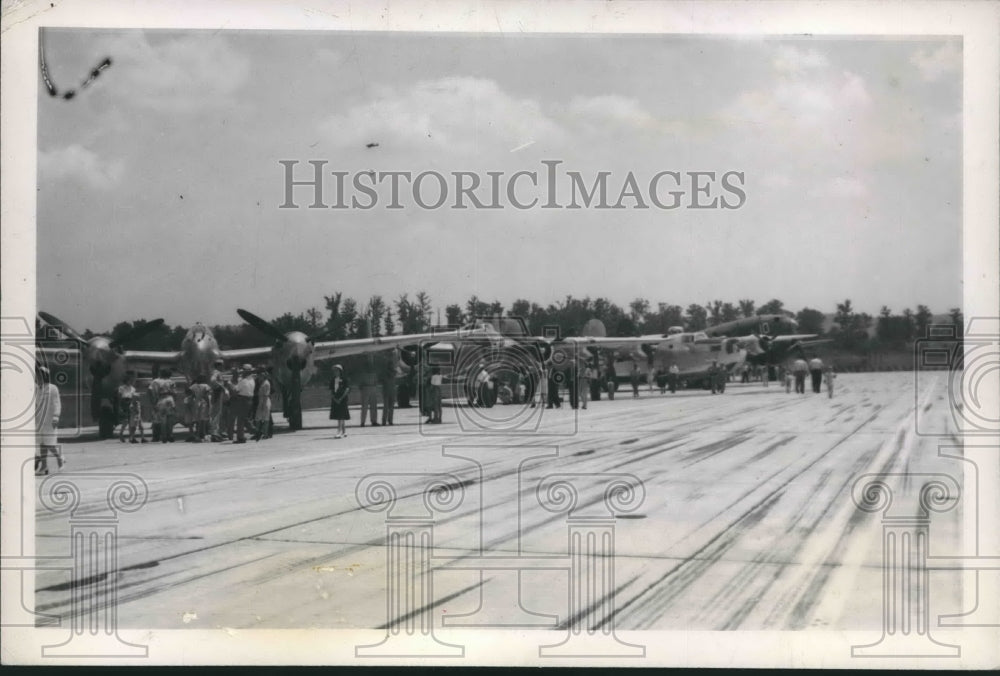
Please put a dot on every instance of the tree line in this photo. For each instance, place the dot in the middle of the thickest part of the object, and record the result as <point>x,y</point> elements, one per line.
<point>345,317</point>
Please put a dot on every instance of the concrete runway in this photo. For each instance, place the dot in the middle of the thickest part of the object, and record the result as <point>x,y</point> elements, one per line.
<point>747,520</point>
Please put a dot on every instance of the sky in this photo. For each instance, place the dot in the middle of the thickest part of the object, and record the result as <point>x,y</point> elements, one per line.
<point>159,184</point>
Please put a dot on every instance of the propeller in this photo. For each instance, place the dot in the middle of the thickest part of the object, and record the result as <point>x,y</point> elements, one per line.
<point>137,333</point>
<point>261,325</point>
<point>63,327</point>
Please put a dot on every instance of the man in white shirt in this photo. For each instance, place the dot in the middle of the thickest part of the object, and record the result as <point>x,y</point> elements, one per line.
<point>482,383</point>
<point>816,371</point>
<point>800,368</point>
<point>241,402</point>
<point>584,379</point>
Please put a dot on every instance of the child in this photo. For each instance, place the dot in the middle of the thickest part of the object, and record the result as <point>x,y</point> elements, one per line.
<point>134,421</point>
<point>126,394</point>
<point>788,381</point>
<point>201,393</point>
<point>505,394</point>
<point>189,414</point>
<point>828,376</point>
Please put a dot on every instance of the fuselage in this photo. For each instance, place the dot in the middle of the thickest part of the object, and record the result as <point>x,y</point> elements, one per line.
<point>199,352</point>
<point>692,358</point>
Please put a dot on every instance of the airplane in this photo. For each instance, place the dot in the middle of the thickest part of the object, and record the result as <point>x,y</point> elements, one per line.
<point>292,358</point>
<point>294,354</point>
<point>768,339</point>
<point>504,347</point>
<point>104,360</point>
<point>691,351</point>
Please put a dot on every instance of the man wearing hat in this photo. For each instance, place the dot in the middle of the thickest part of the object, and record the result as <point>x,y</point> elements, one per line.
<point>48,408</point>
<point>241,402</point>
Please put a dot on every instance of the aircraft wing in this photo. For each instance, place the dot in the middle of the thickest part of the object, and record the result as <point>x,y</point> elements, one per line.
<point>334,349</point>
<point>151,357</point>
<point>608,343</point>
<point>250,354</point>
<point>791,338</point>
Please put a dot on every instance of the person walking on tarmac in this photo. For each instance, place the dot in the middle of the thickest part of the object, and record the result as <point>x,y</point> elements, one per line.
<point>633,378</point>
<point>584,377</point>
<point>673,375</point>
<point>800,368</point>
<point>816,371</point>
<point>610,378</point>
<point>828,376</point>
<point>713,376</point>
<point>48,408</point>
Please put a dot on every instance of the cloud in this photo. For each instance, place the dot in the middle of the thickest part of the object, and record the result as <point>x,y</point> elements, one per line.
<point>77,163</point>
<point>935,63</point>
<point>178,73</point>
<point>804,102</point>
<point>608,109</point>
<point>463,115</point>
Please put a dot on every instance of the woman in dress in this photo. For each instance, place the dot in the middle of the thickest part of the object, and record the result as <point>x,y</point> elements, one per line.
<point>263,414</point>
<point>339,389</point>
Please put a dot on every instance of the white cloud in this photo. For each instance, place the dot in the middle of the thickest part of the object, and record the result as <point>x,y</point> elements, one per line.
<point>181,73</point>
<point>609,109</point>
<point>935,63</point>
<point>461,114</point>
<point>77,163</point>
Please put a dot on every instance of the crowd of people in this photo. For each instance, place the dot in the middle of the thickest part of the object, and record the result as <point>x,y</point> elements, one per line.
<point>232,407</point>
<point>218,407</point>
